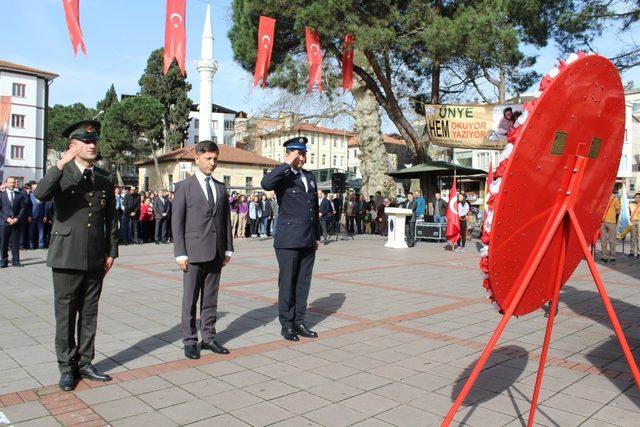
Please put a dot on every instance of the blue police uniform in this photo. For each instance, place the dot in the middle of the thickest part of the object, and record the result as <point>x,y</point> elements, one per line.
<point>295,242</point>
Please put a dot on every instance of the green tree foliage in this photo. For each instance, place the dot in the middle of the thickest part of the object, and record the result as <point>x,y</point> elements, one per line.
<point>413,48</point>
<point>171,91</point>
<point>110,98</point>
<point>126,127</point>
<point>61,116</point>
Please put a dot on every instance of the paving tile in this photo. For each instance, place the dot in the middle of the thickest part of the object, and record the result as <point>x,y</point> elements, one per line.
<point>369,404</point>
<point>166,397</point>
<point>335,391</point>
<point>244,378</point>
<point>335,415</point>
<point>40,422</point>
<point>262,414</point>
<point>185,376</point>
<point>24,412</point>
<point>145,385</point>
<point>102,394</point>
<point>122,408</point>
<point>271,389</point>
<point>233,399</point>
<point>190,412</point>
<point>408,416</point>
<point>148,419</point>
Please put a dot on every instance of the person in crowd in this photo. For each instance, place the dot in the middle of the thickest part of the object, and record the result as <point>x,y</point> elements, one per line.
<point>506,122</point>
<point>161,208</point>
<point>608,230</point>
<point>421,206</point>
<point>203,245</point>
<point>378,200</point>
<point>254,216</point>
<point>265,215</point>
<point>350,213</point>
<point>233,207</point>
<point>634,218</point>
<point>463,211</point>
<point>412,205</point>
<point>243,211</point>
<point>361,208</point>
<point>331,225</point>
<point>170,197</point>
<point>37,227</point>
<point>13,214</point>
<point>83,247</point>
<point>371,204</point>
<point>147,220</point>
<point>439,209</point>
<point>131,216</point>
<point>373,216</point>
<point>298,237</point>
<point>382,217</point>
<point>275,210</point>
<point>119,195</point>
<point>326,215</point>
<point>25,226</point>
<point>338,202</point>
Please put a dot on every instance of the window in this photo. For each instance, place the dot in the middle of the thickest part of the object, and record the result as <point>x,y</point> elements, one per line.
<point>335,143</point>
<point>229,124</point>
<point>17,152</point>
<point>196,139</point>
<point>170,180</point>
<point>324,159</point>
<point>248,182</point>
<point>623,162</point>
<point>146,183</point>
<point>341,161</point>
<point>227,180</point>
<point>313,140</point>
<point>214,125</point>
<point>197,123</point>
<point>324,141</point>
<point>335,160</point>
<point>19,90</point>
<point>17,121</point>
<point>313,158</point>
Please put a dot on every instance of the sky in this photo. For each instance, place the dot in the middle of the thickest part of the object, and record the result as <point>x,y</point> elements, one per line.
<point>120,35</point>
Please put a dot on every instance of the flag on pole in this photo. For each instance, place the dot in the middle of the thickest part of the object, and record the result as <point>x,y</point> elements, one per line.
<point>315,59</point>
<point>347,63</point>
<point>175,35</point>
<point>5,112</point>
<point>453,219</point>
<point>624,220</point>
<point>266,30</point>
<point>72,16</point>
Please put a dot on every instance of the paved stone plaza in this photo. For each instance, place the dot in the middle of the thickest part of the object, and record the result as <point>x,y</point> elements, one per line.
<point>399,331</point>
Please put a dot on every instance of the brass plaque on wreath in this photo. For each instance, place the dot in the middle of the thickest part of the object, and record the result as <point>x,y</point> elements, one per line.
<point>595,148</point>
<point>559,141</point>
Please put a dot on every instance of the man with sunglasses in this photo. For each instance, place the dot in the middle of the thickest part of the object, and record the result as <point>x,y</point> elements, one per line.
<point>84,243</point>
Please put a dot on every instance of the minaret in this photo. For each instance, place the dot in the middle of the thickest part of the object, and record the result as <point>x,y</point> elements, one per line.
<point>207,67</point>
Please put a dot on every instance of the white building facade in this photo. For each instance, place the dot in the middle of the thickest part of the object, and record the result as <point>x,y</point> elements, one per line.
<point>223,122</point>
<point>25,153</point>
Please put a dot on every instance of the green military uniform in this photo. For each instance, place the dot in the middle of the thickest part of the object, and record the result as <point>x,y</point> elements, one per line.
<point>84,234</point>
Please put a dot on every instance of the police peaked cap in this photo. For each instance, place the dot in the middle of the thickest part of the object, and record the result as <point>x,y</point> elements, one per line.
<point>298,143</point>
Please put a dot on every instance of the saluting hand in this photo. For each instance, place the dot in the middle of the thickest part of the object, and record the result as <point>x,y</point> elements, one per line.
<point>68,156</point>
<point>291,157</point>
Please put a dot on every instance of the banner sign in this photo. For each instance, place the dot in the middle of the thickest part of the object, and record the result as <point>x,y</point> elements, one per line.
<point>471,126</point>
<point>5,112</point>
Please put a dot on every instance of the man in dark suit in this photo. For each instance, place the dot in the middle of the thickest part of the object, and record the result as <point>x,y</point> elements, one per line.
<point>84,244</point>
<point>25,241</point>
<point>202,245</point>
<point>13,211</point>
<point>161,211</point>
<point>131,216</point>
<point>326,215</point>
<point>38,221</point>
<point>298,236</point>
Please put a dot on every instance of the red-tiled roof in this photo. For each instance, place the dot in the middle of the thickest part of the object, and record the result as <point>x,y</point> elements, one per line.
<point>10,66</point>
<point>308,127</point>
<point>228,154</point>
<point>388,139</point>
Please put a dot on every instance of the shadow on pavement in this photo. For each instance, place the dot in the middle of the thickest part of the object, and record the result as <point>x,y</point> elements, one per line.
<point>324,307</point>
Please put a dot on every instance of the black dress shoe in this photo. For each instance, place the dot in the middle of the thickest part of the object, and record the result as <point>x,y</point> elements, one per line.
<point>67,381</point>
<point>3,265</point>
<point>214,346</point>
<point>191,351</point>
<point>289,334</point>
<point>91,373</point>
<point>301,329</point>
<point>17,264</point>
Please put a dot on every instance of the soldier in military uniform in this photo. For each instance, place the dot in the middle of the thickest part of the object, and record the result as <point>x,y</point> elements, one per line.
<point>84,243</point>
<point>298,236</point>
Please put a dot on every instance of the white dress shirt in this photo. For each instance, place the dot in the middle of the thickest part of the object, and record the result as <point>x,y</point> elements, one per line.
<point>203,184</point>
<point>82,168</point>
<point>304,179</point>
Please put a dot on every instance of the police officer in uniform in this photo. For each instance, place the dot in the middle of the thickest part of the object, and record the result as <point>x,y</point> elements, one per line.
<point>298,236</point>
<point>84,243</point>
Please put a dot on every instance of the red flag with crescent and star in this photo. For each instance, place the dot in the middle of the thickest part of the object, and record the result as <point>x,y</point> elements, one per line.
<point>266,29</point>
<point>347,62</point>
<point>315,58</point>
<point>453,219</point>
<point>72,16</point>
<point>175,35</point>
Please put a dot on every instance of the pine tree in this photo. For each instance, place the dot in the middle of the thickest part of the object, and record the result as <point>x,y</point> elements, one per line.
<point>110,98</point>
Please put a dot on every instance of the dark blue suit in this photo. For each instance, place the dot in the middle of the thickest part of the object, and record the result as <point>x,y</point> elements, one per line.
<point>295,242</point>
<point>11,233</point>
<point>37,226</point>
<point>326,215</point>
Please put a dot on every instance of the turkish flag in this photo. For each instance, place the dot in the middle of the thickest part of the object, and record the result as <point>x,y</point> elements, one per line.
<point>347,63</point>
<point>266,29</point>
<point>315,59</point>
<point>490,174</point>
<point>453,219</point>
<point>175,35</point>
<point>72,16</point>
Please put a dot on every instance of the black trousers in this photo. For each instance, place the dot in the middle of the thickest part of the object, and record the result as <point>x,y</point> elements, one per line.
<point>76,295</point>
<point>411,231</point>
<point>10,234</point>
<point>325,224</point>
<point>294,281</point>
<point>131,229</point>
<point>161,230</point>
<point>201,281</point>
<point>350,224</point>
